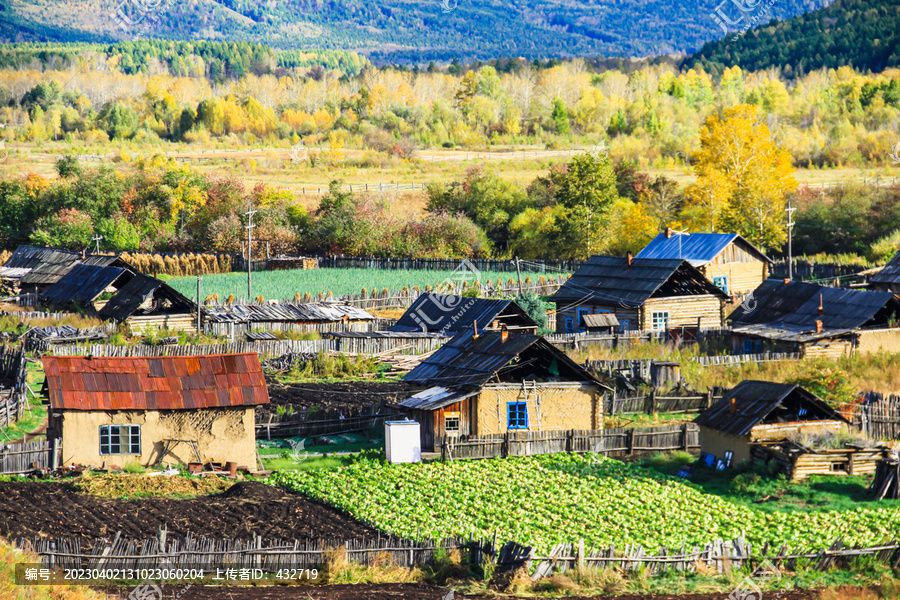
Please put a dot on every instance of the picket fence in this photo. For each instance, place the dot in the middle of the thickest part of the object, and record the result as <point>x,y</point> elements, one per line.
<point>604,441</point>
<point>270,556</point>
<point>235,330</point>
<point>16,459</point>
<point>878,418</point>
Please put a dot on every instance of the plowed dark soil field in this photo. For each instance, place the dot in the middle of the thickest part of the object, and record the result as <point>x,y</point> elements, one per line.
<point>354,394</point>
<point>243,511</point>
<point>394,591</point>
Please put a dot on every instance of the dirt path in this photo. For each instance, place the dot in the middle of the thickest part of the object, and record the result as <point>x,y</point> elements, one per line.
<point>393,591</point>
<point>41,430</point>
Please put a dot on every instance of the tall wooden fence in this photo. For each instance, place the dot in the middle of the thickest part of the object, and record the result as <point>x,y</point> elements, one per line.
<point>16,459</point>
<point>603,441</point>
<point>806,270</point>
<point>239,329</point>
<point>652,403</point>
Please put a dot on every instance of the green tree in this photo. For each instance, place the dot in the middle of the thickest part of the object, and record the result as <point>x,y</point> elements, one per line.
<point>560,116</point>
<point>587,190</point>
<point>119,120</point>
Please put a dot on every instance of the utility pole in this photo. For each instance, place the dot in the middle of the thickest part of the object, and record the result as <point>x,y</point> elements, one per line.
<point>250,212</point>
<point>198,304</point>
<point>519,272</point>
<point>790,211</point>
<point>96,239</point>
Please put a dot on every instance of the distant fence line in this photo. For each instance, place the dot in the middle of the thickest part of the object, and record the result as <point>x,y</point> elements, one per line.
<point>237,329</point>
<point>640,367</point>
<point>510,155</point>
<point>265,348</point>
<point>603,441</point>
<point>446,264</point>
<point>804,270</point>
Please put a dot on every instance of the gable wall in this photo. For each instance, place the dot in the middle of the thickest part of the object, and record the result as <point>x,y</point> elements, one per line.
<point>685,310</point>
<point>562,406</point>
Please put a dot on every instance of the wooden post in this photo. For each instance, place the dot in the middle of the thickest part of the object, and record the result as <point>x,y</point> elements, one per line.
<point>652,401</point>
<point>579,557</point>
<point>709,397</point>
<point>684,436</point>
<point>630,439</point>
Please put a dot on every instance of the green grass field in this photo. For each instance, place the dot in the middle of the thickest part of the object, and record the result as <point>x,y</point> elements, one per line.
<point>283,285</point>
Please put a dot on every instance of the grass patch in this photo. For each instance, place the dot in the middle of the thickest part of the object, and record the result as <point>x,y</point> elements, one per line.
<point>35,416</point>
<point>324,366</point>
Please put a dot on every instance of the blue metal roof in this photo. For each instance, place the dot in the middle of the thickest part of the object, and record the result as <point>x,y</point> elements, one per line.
<point>696,248</point>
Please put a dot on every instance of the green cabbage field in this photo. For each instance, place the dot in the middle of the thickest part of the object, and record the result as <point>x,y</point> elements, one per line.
<point>544,500</point>
<point>282,285</point>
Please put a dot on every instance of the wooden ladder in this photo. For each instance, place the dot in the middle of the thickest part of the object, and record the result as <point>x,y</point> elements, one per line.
<point>172,443</point>
<point>529,391</point>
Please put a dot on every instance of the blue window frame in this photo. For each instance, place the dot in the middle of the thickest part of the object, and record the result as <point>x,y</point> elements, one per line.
<point>748,346</point>
<point>721,282</point>
<point>517,413</point>
<point>580,312</point>
<point>568,325</point>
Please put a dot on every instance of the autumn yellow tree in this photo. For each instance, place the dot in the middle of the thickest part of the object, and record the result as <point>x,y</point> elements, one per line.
<point>742,178</point>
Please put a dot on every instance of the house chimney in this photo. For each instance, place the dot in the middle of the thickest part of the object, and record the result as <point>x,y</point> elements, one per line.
<point>628,258</point>
<point>818,325</point>
<point>668,232</point>
<point>504,333</point>
<point>733,406</point>
<point>475,329</point>
<point>821,306</point>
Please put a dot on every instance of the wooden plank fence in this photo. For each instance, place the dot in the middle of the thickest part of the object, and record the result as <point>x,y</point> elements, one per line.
<point>878,418</point>
<point>653,403</point>
<point>16,459</point>
<point>239,329</point>
<point>270,556</point>
<point>603,441</point>
<point>640,367</point>
<point>13,402</point>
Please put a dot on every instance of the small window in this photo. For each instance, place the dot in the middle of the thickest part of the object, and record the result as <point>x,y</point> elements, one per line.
<point>579,313</point>
<point>120,439</point>
<point>518,415</point>
<point>569,327</point>
<point>659,321</point>
<point>721,282</point>
<point>451,422</point>
<point>748,346</point>
<point>624,325</point>
<point>757,346</point>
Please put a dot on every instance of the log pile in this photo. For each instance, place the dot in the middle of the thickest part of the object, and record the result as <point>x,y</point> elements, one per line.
<point>887,479</point>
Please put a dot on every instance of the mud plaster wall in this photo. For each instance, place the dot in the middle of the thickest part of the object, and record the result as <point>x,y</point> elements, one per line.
<point>222,434</point>
<point>562,406</point>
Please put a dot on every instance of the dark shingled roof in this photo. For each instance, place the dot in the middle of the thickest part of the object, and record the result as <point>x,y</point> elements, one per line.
<point>756,401</point>
<point>155,383</point>
<point>468,362</point>
<point>290,313</point>
<point>790,310</point>
<point>127,300</point>
<point>610,280</point>
<point>84,283</point>
<point>890,274</point>
<point>697,248</point>
<point>441,312</point>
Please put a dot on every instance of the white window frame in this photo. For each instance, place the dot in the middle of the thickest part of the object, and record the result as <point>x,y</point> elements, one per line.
<point>659,320</point>
<point>721,282</point>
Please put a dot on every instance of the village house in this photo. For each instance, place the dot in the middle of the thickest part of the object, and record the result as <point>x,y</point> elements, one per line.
<point>175,409</point>
<point>448,315</point>
<point>249,319</point>
<point>786,426</point>
<point>33,269</point>
<point>84,285</point>
<point>146,303</point>
<point>487,382</point>
<point>815,320</point>
<point>726,259</point>
<point>642,294</point>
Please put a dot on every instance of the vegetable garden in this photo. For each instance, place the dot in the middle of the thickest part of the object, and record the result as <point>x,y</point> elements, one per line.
<point>285,284</point>
<point>549,499</point>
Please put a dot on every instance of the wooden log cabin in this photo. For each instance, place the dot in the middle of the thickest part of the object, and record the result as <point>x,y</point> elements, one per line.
<point>726,259</point>
<point>815,320</point>
<point>148,303</point>
<point>482,383</point>
<point>642,293</point>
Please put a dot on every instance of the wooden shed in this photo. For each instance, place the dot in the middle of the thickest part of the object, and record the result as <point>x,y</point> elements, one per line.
<point>146,302</point>
<point>642,294</point>
<point>756,412</point>
<point>144,410</point>
<point>726,259</point>
<point>448,315</point>
<point>494,382</point>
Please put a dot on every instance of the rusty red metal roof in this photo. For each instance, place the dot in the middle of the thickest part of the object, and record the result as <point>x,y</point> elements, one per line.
<point>155,383</point>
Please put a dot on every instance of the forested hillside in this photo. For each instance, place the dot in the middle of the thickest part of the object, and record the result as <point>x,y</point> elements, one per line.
<point>393,30</point>
<point>858,33</point>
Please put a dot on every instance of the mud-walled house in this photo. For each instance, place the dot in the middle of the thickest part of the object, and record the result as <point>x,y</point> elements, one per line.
<point>176,409</point>
<point>490,382</point>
